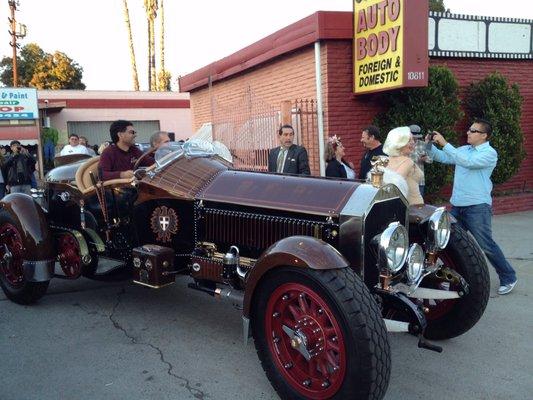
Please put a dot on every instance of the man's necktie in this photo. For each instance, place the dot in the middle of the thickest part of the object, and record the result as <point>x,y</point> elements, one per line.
<point>281,157</point>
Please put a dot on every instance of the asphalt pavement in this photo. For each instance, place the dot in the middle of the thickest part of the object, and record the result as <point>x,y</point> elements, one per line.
<point>92,340</point>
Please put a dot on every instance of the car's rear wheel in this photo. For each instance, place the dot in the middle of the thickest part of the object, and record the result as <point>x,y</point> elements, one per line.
<point>450,318</point>
<point>12,280</point>
<point>69,257</point>
<point>320,335</point>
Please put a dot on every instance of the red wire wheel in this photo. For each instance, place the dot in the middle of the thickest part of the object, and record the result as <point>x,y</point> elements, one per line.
<point>69,256</point>
<point>319,335</point>
<point>439,308</point>
<point>11,250</point>
<point>306,341</point>
<point>13,256</point>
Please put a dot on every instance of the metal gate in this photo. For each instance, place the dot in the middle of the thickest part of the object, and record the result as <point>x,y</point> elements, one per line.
<point>248,127</point>
<point>304,118</point>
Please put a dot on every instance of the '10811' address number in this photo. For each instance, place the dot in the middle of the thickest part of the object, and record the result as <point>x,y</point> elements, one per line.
<point>415,76</point>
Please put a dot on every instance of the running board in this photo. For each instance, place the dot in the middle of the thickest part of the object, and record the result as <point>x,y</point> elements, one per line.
<point>107,265</point>
<point>396,326</point>
<point>426,293</point>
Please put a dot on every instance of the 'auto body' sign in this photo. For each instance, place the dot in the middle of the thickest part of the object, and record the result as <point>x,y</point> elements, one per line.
<point>18,103</point>
<point>390,44</point>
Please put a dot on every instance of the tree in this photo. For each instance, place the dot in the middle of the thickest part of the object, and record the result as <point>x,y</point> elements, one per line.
<point>151,7</point>
<point>437,5</point>
<point>435,107</point>
<point>132,49</point>
<point>57,71</point>
<point>163,76</point>
<point>500,103</point>
<point>28,58</point>
<point>158,79</point>
<point>42,70</point>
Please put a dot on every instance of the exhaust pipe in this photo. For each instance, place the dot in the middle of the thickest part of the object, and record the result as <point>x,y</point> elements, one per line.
<point>227,295</point>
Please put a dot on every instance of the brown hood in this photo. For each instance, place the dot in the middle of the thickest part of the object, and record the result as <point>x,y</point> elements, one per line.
<point>310,195</point>
<point>212,179</point>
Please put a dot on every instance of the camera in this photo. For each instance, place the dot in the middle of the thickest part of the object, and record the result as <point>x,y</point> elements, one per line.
<point>431,134</point>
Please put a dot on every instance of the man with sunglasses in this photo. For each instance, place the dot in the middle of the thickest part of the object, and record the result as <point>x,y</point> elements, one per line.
<point>118,159</point>
<point>471,196</point>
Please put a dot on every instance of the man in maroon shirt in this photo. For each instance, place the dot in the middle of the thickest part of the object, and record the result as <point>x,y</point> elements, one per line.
<point>118,159</point>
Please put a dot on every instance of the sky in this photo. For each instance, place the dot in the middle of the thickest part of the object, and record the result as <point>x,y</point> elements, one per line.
<point>197,32</point>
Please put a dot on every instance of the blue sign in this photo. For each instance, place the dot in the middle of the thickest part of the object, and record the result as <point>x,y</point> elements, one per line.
<point>18,103</point>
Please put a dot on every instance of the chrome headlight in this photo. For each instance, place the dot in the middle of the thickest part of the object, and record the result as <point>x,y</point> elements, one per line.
<point>415,263</point>
<point>439,229</point>
<point>393,244</point>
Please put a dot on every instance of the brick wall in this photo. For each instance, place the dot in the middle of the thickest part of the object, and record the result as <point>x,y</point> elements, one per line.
<point>286,78</point>
<point>509,203</point>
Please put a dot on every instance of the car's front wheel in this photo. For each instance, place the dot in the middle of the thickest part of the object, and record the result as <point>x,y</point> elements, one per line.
<point>12,280</point>
<point>320,335</point>
<point>450,318</point>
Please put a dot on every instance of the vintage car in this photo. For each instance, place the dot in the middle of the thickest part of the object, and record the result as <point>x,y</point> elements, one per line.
<point>320,268</point>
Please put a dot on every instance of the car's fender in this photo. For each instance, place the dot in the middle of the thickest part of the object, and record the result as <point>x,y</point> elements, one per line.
<point>294,251</point>
<point>39,249</point>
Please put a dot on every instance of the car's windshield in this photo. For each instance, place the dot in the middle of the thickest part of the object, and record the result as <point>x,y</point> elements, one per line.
<point>174,150</point>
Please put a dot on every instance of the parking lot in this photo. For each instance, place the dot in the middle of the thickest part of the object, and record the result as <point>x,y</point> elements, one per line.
<point>94,340</point>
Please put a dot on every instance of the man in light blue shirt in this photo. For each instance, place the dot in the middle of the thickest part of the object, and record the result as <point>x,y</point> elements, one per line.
<point>471,196</point>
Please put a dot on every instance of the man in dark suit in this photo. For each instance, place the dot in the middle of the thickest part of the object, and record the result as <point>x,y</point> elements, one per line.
<point>371,140</point>
<point>288,158</point>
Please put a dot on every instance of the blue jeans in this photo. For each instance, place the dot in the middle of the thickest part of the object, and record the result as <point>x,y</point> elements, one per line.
<point>33,181</point>
<point>478,220</point>
<point>49,150</point>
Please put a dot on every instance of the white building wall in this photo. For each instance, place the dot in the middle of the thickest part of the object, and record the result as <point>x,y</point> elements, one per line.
<point>177,120</point>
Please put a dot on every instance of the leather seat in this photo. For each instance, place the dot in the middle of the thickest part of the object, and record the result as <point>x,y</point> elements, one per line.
<point>84,181</point>
<point>83,175</point>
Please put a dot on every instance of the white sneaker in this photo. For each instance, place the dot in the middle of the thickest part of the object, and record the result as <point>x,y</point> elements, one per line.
<point>505,289</point>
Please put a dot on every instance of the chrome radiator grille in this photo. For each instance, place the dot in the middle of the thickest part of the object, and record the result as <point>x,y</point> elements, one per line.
<point>255,231</point>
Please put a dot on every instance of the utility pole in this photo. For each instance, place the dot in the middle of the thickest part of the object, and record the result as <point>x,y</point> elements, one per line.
<point>17,31</point>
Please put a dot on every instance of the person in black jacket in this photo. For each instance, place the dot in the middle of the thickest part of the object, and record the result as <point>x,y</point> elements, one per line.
<point>371,140</point>
<point>337,167</point>
<point>19,169</point>
<point>288,158</point>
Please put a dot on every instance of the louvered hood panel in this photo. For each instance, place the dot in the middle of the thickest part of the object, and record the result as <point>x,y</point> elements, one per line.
<point>281,192</point>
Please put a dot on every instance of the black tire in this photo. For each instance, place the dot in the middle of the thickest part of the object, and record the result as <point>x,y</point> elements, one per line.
<point>15,287</point>
<point>463,255</point>
<point>344,308</point>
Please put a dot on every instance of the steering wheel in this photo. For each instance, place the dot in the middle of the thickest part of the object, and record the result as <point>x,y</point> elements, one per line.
<point>139,173</point>
<point>151,151</point>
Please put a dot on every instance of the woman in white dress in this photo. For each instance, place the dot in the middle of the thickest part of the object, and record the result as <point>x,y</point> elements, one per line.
<point>398,146</point>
